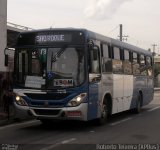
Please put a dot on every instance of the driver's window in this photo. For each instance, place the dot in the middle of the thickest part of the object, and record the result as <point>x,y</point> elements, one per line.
<point>94,60</point>
<point>22,65</point>
<point>35,63</point>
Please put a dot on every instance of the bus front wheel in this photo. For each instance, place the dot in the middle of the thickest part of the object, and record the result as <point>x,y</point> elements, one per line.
<point>104,115</point>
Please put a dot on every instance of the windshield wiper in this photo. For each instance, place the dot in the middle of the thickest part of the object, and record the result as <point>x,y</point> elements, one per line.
<point>57,55</point>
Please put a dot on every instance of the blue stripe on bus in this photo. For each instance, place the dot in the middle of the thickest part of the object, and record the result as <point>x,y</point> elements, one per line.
<point>93,101</point>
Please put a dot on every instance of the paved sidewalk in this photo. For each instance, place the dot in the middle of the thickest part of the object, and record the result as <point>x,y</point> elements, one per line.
<point>4,118</point>
<point>5,121</point>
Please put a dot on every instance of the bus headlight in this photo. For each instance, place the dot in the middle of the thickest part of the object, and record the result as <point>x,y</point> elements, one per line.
<point>20,101</point>
<point>77,100</point>
<point>18,98</point>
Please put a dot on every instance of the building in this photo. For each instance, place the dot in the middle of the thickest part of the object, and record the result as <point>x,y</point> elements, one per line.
<point>3,33</point>
<point>8,35</point>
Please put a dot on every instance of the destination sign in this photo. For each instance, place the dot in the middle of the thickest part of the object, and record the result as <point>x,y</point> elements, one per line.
<point>41,39</point>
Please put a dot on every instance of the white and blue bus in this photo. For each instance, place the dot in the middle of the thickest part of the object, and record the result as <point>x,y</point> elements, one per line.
<point>76,74</point>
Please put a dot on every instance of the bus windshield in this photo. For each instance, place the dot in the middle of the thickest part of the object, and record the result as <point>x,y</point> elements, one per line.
<point>49,68</point>
<point>65,67</point>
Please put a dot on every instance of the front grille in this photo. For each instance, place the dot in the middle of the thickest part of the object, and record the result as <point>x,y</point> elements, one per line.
<point>46,112</point>
<point>48,96</point>
<point>42,104</point>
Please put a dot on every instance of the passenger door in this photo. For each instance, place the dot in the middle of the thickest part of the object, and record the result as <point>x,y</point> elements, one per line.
<point>94,82</point>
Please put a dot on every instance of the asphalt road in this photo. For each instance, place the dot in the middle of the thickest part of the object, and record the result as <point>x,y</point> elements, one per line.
<point>123,128</point>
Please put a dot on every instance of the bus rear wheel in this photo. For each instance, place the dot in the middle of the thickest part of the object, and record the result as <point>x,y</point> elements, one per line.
<point>137,110</point>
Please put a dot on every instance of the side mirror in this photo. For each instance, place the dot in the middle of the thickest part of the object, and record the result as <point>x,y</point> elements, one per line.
<point>6,60</point>
<point>5,57</point>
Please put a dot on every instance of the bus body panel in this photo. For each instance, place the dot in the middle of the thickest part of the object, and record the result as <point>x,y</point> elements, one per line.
<point>93,100</point>
<point>117,93</point>
<point>141,87</point>
<point>40,106</point>
<point>107,86</point>
<point>128,91</point>
<point>65,113</point>
<point>122,92</point>
<point>150,90</point>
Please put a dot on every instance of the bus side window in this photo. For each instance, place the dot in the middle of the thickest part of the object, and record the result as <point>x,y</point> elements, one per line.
<point>35,63</point>
<point>127,66</point>
<point>135,64</point>
<point>149,66</point>
<point>23,66</point>
<point>117,62</point>
<point>94,58</point>
<point>142,60</point>
<point>143,68</point>
<point>107,63</point>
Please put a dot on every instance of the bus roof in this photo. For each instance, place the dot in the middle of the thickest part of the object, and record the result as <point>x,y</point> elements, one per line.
<point>117,43</point>
<point>96,36</point>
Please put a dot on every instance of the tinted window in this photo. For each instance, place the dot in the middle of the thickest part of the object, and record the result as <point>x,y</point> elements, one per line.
<point>94,61</point>
<point>62,69</point>
<point>127,66</point>
<point>142,60</point>
<point>135,64</point>
<point>148,61</point>
<point>106,61</point>
<point>149,66</point>
<point>126,55</point>
<point>135,57</point>
<point>116,52</point>
<point>105,50</point>
<point>143,68</point>
<point>116,62</point>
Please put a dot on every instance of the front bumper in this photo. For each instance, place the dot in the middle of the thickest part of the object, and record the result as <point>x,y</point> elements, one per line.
<point>65,113</point>
<point>21,112</point>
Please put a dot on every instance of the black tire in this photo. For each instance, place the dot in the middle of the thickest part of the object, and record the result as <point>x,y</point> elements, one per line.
<point>104,115</point>
<point>137,110</point>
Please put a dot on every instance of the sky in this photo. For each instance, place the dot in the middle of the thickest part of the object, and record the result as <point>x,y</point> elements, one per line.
<point>140,18</point>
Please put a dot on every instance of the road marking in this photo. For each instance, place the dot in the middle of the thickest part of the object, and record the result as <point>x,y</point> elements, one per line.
<point>68,141</point>
<point>57,144</point>
<point>124,120</point>
<point>153,109</point>
<point>51,147</point>
<point>18,124</point>
<point>119,122</point>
